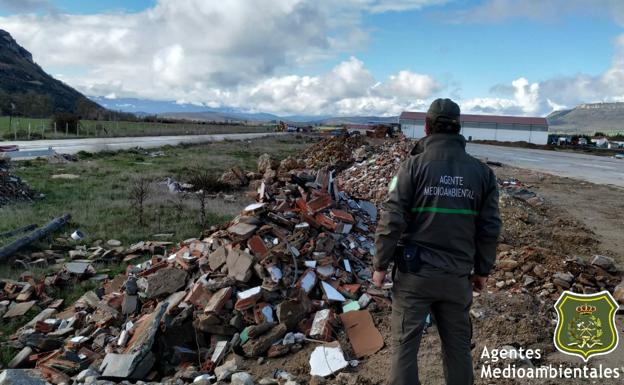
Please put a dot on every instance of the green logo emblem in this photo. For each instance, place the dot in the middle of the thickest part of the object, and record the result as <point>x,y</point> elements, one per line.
<point>393,184</point>
<point>586,324</point>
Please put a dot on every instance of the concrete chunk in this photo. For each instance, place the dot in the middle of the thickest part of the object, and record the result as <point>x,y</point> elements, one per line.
<point>19,309</point>
<point>217,258</point>
<point>239,265</point>
<point>260,345</point>
<point>218,299</point>
<point>127,366</point>
<point>21,377</point>
<point>165,281</point>
<point>604,262</point>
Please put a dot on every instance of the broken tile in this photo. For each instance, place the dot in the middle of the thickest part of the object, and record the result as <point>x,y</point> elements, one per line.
<point>307,281</point>
<point>331,293</point>
<point>248,298</point>
<point>327,360</point>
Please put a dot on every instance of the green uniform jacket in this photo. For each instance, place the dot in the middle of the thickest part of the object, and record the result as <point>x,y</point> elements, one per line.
<point>445,202</point>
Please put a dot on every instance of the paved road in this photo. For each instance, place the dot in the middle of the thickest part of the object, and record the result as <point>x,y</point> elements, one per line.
<point>596,169</point>
<point>592,168</point>
<point>72,146</point>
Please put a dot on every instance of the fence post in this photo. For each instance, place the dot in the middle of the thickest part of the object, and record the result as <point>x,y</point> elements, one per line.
<point>28,130</point>
<point>15,131</point>
<point>55,129</point>
<point>42,130</point>
<point>66,128</point>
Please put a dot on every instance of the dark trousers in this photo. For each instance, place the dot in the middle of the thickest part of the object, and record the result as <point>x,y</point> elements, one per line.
<point>448,298</point>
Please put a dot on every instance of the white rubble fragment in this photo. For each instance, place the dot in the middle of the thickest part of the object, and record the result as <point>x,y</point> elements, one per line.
<point>326,360</point>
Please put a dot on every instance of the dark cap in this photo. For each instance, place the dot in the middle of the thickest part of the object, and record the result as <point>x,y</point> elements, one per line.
<point>444,110</point>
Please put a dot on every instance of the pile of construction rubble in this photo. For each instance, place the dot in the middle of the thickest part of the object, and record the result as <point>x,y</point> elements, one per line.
<point>12,188</point>
<point>292,268</point>
<point>542,271</point>
<point>369,177</point>
<point>335,152</point>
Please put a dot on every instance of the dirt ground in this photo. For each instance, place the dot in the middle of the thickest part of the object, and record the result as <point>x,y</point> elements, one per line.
<point>577,219</point>
<point>598,207</point>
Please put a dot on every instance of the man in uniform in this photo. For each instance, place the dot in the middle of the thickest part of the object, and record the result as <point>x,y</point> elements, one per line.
<point>440,225</point>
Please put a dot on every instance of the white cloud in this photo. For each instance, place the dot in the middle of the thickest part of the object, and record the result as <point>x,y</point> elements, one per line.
<point>407,84</point>
<point>244,54</point>
<point>234,52</point>
<point>348,89</point>
<point>526,101</point>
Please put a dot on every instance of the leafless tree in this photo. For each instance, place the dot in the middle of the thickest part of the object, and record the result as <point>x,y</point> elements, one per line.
<point>140,192</point>
<point>205,184</point>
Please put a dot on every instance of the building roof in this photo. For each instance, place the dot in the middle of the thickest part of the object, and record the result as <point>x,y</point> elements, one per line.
<point>407,115</point>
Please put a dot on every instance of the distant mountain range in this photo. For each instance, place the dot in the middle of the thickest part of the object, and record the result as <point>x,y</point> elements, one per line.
<point>171,109</point>
<point>26,89</point>
<point>588,119</point>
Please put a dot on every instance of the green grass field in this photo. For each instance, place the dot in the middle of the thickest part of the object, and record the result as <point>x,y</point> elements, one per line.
<point>99,203</point>
<point>98,199</point>
<point>43,128</point>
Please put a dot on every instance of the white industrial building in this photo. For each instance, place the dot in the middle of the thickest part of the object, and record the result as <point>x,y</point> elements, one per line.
<point>484,127</point>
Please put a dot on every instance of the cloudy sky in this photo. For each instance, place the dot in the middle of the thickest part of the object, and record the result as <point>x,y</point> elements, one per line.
<point>348,57</point>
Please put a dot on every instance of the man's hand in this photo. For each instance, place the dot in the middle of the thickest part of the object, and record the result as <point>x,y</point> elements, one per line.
<point>478,282</point>
<point>378,278</point>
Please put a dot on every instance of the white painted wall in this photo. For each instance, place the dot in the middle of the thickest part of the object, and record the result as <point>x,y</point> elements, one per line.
<point>478,133</point>
<point>417,131</point>
<point>414,131</point>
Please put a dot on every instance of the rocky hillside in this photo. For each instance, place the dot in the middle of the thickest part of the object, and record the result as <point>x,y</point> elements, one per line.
<point>26,89</point>
<point>588,119</point>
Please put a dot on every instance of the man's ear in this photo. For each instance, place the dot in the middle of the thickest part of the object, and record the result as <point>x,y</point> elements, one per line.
<point>427,128</point>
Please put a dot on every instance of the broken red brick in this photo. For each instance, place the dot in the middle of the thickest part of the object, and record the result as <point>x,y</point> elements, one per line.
<point>342,215</point>
<point>198,296</point>
<point>257,246</point>
<point>326,222</point>
<point>320,203</point>
<point>303,206</point>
